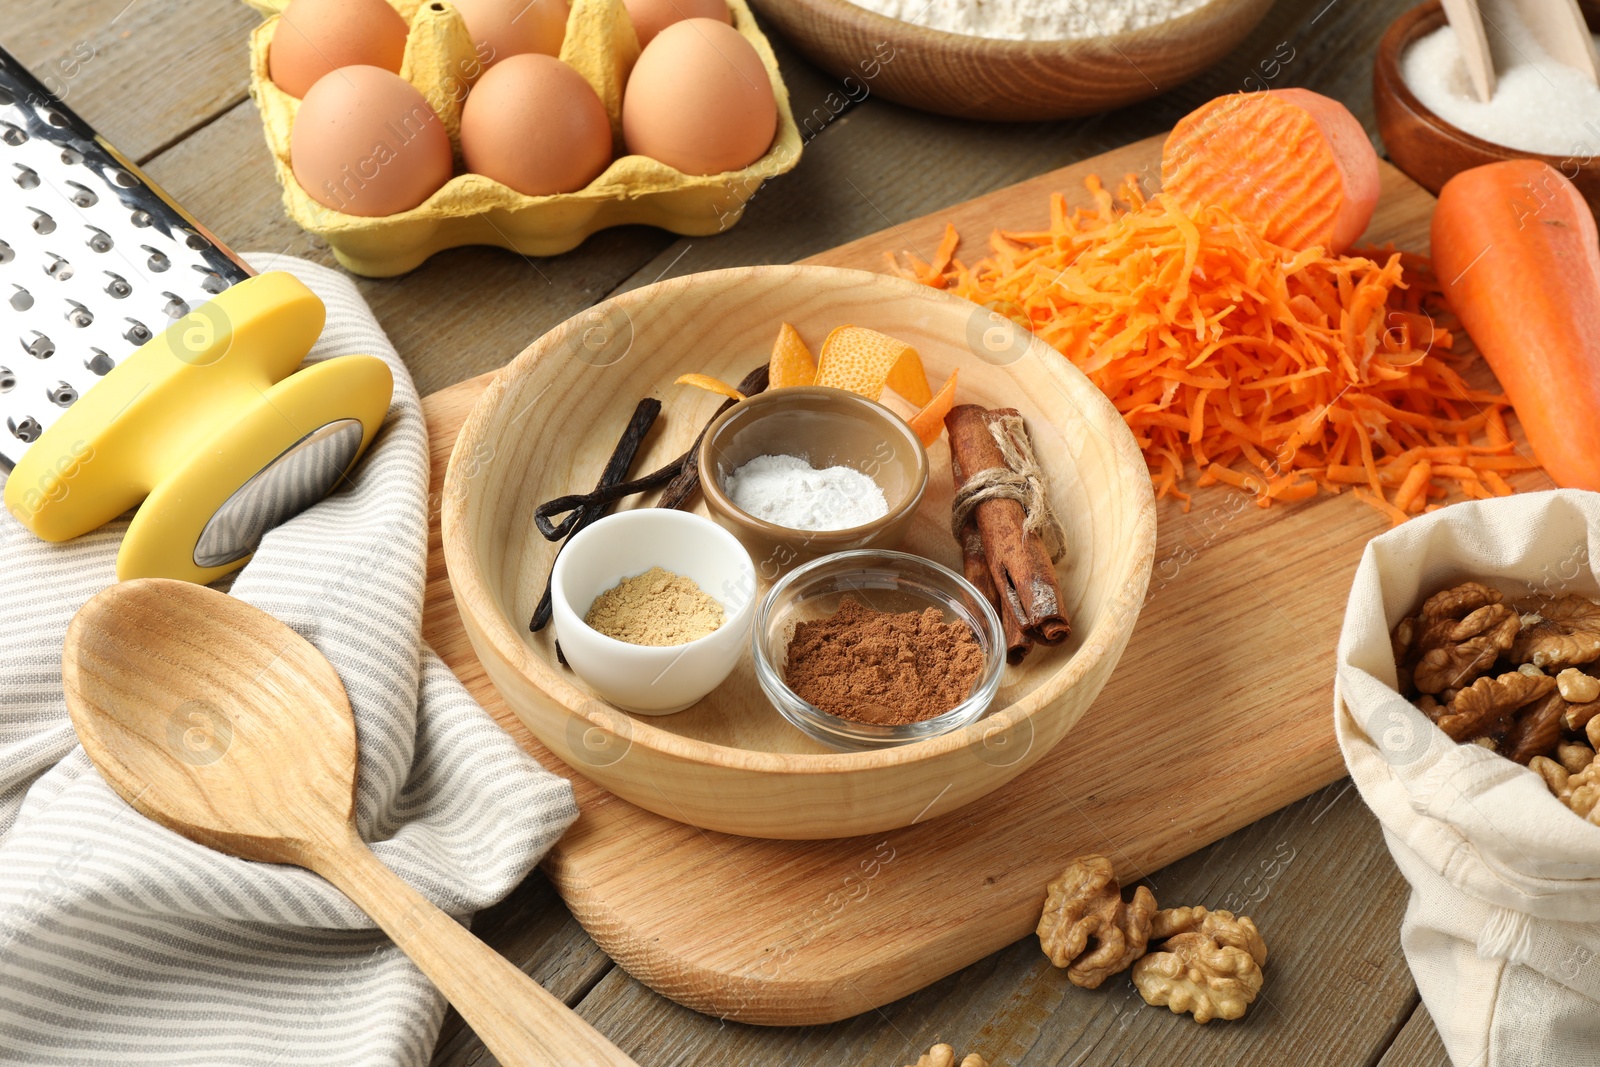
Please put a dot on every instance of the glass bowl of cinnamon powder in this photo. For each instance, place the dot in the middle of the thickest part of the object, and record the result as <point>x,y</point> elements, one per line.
<point>871,648</point>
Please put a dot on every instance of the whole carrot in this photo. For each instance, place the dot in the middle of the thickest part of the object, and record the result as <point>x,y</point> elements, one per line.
<point>1518,257</point>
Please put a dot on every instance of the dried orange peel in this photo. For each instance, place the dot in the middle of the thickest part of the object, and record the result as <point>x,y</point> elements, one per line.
<point>710,384</point>
<point>928,423</point>
<point>864,361</point>
<point>791,362</point>
<point>858,360</point>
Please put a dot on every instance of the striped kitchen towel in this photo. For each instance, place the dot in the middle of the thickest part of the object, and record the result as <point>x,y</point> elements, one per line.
<point>123,943</point>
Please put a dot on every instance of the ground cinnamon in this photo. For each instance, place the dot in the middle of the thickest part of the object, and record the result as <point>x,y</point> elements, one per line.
<point>880,667</point>
<point>1021,566</point>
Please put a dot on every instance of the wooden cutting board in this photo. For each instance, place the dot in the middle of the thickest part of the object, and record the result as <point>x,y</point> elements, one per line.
<point>1218,714</point>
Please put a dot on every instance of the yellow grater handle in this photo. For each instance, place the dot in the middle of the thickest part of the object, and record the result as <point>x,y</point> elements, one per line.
<point>189,418</point>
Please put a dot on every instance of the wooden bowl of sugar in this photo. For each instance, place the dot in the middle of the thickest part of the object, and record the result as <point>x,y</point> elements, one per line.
<point>1431,149</point>
<point>1099,56</point>
<point>731,762</point>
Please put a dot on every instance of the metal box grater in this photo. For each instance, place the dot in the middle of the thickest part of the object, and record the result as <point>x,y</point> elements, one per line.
<point>94,259</point>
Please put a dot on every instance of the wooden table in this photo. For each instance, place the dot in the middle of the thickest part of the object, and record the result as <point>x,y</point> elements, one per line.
<point>167,85</point>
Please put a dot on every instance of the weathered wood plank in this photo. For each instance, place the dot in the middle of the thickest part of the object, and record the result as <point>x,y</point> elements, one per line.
<point>1417,1044</point>
<point>142,72</point>
<point>1317,879</point>
<point>534,930</point>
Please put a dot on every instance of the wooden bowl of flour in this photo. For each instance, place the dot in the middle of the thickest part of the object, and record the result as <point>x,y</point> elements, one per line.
<point>731,762</point>
<point>989,78</point>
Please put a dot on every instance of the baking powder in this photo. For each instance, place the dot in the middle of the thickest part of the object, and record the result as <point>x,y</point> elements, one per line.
<point>1032,20</point>
<point>788,491</point>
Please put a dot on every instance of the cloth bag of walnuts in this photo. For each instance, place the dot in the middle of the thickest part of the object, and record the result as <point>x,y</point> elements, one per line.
<point>1502,931</point>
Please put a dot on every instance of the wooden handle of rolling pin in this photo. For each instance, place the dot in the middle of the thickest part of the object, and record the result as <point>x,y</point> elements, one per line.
<point>521,1023</point>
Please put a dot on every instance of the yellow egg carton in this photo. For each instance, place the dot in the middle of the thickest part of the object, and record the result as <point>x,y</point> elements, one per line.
<point>470,209</point>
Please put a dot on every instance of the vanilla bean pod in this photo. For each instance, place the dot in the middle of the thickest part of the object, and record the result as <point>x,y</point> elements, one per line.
<point>681,476</point>
<point>616,469</point>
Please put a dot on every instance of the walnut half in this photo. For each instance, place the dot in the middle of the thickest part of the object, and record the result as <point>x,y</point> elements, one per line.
<point>1564,632</point>
<point>1210,965</point>
<point>1085,905</point>
<point>1458,636</point>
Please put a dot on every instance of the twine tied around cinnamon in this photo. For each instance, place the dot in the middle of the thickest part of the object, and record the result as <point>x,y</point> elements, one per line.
<point>1020,480</point>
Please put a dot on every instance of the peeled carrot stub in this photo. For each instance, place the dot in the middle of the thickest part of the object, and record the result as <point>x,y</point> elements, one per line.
<point>928,423</point>
<point>1294,163</point>
<point>710,384</point>
<point>864,361</point>
<point>791,362</point>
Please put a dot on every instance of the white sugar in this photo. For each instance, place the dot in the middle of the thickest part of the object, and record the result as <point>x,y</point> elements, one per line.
<point>788,491</point>
<point>1539,105</point>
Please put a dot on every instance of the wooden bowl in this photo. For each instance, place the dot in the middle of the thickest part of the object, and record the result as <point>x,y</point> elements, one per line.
<point>545,427</point>
<point>1429,149</point>
<point>985,78</point>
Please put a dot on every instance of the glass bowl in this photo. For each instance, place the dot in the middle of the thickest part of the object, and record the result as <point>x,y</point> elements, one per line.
<point>885,581</point>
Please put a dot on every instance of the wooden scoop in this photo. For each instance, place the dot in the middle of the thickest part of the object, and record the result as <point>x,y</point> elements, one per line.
<point>219,722</point>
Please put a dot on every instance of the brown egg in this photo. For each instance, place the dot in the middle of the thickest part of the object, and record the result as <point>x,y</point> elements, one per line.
<point>315,36</point>
<point>650,17</point>
<point>365,142</point>
<point>505,28</point>
<point>533,123</point>
<point>699,100</point>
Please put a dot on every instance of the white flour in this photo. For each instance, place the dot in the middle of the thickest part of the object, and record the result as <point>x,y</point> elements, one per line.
<point>788,491</point>
<point>1033,20</point>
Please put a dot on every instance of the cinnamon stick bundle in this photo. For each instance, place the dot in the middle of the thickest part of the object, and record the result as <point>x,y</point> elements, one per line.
<point>1012,540</point>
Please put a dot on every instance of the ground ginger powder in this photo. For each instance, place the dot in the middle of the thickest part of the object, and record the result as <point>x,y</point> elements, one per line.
<point>657,607</point>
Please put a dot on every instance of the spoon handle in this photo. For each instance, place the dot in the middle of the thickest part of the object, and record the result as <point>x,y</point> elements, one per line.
<point>521,1023</point>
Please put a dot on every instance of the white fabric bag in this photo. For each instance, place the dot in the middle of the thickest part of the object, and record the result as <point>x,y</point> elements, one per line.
<point>1503,928</point>
<point>123,943</point>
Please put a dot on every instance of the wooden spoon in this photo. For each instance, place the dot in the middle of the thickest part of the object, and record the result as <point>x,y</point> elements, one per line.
<point>219,722</point>
<point>1559,27</point>
<point>1467,21</point>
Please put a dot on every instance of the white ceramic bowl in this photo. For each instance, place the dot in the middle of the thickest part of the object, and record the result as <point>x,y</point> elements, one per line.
<point>652,680</point>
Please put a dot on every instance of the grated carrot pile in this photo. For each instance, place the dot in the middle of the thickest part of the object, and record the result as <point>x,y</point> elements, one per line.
<point>1235,360</point>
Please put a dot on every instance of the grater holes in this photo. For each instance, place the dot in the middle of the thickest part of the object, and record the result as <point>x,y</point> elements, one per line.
<point>71,157</point>
<point>58,268</point>
<point>141,218</point>
<point>99,364</point>
<point>43,222</point>
<point>99,240</point>
<point>137,332</point>
<point>121,177</point>
<point>62,395</point>
<point>78,315</point>
<point>82,195</point>
<point>39,346</point>
<point>117,288</point>
<point>212,282</point>
<point>176,306</point>
<point>22,300</point>
<point>158,260</point>
<point>7,253</point>
<point>55,118</point>
<point>8,380</point>
<point>26,177</point>
<point>13,135</point>
<point>195,241</point>
<point>26,430</point>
